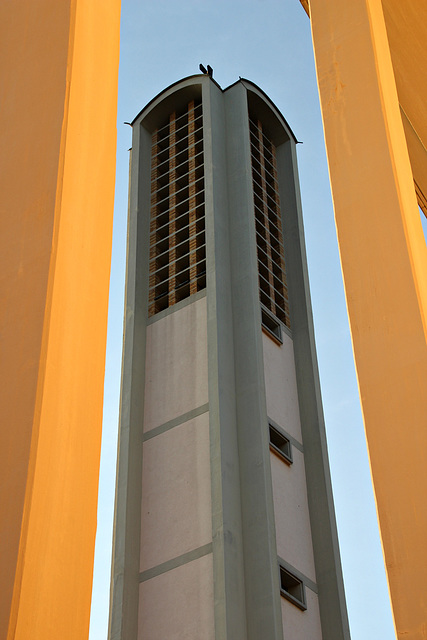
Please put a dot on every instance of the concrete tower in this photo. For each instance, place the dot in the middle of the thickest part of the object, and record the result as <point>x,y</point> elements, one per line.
<point>224,524</point>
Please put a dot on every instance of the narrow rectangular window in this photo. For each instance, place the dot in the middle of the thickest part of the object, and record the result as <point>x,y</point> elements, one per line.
<point>177,220</point>
<point>280,444</point>
<point>292,588</point>
<point>271,325</point>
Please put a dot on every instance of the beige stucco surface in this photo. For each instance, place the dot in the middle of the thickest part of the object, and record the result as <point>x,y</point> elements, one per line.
<point>302,625</point>
<point>176,492</point>
<point>178,604</point>
<point>281,385</point>
<point>176,365</point>
<point>293,533</point>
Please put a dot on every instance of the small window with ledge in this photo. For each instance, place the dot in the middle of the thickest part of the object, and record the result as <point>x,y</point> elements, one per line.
<point>280,444</point>
<point>292,588</point>
<point>271,326</point>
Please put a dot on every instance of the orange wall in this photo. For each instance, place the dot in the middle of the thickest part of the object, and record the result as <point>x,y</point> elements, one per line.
<point>30,131</point>
<point>406,24</point>
<point>384,262</point>
<point>59,85</point>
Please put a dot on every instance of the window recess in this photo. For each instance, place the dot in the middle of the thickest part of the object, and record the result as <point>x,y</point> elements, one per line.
<point>292,588</point>
<point>280,444</point>
<point>271,325</point>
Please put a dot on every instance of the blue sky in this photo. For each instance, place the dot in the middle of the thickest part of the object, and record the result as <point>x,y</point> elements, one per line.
<point>268,42</point>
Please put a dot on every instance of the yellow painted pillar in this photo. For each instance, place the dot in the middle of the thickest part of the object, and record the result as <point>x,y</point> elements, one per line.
<point>57,166</point>
<point>384,263</point>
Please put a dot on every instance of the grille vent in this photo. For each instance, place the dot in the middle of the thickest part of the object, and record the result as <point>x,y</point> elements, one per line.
<point>177,221</point>
<point>271,259</point>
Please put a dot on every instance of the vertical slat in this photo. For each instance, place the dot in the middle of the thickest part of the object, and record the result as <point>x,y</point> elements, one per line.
<point>192,197</point>
<point>153,222</point>
<point>172,208</point>
<point>266,217</point>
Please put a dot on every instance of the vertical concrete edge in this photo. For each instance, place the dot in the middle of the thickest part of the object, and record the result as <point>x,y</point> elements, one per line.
<point>333,610</point>
<point>263,607</point>
<point>124,597</point>
<point>229,599</point>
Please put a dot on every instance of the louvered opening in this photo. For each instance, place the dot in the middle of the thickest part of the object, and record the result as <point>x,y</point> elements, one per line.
<point>177,221</point>
<point>271,259</point>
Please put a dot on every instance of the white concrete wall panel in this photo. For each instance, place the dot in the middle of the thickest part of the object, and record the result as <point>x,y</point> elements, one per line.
<point>302,625</point>
<point>281,385</point>
<point>178,604</point>
<point>176,374</point>
<point>176,492</point>
<point>292,519</point>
